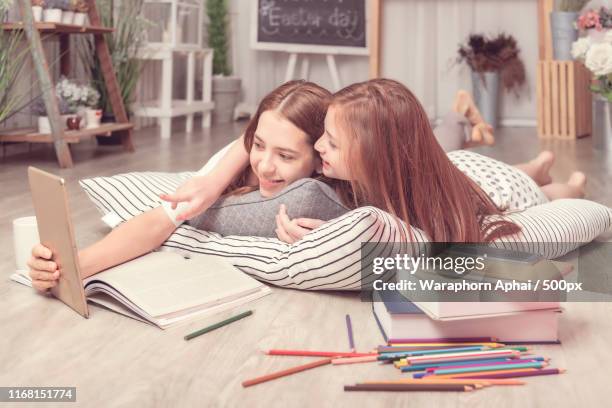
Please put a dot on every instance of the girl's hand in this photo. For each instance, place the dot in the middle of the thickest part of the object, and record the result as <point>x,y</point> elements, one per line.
<point>291,231</point>
<point>200,192</point>
<point>43,271</point>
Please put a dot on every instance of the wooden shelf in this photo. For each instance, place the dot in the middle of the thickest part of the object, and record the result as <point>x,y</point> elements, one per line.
<point>58,28</point>
<point>30,135</point>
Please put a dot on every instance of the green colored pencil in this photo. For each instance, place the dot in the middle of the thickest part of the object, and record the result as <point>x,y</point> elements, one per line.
<point>217,325</point>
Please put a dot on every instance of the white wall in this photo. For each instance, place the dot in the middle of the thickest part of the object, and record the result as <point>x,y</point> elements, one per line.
<point>418,47</point>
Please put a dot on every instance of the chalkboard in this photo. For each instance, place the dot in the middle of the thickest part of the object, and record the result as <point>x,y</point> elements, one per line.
<point>325,26</point>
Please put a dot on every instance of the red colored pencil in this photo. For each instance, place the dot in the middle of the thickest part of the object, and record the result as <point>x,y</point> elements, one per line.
<point>445,340</point>
<point>314,353</point>
<point>546,371</point>
<point>283,373</point>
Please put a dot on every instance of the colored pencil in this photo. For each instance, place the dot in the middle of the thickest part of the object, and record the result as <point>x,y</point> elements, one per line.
<point>353,360</point>
<point>433,380</point>
<point>349,329</point>
<point>443,371</point>
<point>420,367</point>
<point>314,353</point>
<point>518,373</point>
<point>534,342</point>
<point>407,387</point>
<point>283,373</point>
<point>411,347</point>
<point>218,325</point>
<point>489,344</point>
<point>404,354</point>
<point>443,340</point>
<point>476,355</point>
<point>481,364</point>
<point>472,375</point>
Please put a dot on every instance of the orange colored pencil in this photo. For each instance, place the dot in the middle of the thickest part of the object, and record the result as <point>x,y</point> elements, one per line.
<point>316,353</point>
<point>353,360</point>
<point>283,373</point>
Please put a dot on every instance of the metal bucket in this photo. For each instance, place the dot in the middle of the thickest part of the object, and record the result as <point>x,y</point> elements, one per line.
<point>486,93</point>
<point>602,124</point>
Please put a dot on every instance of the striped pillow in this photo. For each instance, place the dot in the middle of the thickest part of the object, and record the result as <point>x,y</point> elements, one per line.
<point>329,258</point>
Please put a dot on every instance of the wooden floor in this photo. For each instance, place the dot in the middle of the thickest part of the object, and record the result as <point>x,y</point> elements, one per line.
<point>115,361</point>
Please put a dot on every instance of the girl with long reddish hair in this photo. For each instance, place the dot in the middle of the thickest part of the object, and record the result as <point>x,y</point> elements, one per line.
<point>379,143</point>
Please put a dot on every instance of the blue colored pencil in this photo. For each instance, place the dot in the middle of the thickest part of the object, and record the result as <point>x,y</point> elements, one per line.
<point>349,328</point>
<point>497,367</point>
<point>402,354</point>
<point>421,367</point>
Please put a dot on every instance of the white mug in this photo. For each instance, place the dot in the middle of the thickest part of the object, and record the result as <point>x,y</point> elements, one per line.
<point>25,236</point>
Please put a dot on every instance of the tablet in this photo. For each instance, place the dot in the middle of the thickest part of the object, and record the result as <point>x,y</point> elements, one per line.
<point>56,233</point>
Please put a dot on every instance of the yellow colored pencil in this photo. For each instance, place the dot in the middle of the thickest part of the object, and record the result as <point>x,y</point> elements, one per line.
<point>482,373</point>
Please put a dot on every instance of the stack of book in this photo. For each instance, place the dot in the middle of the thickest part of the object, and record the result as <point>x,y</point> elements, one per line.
<point>397,318</point>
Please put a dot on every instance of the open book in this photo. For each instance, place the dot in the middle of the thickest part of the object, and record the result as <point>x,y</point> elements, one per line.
<point>167,289</point>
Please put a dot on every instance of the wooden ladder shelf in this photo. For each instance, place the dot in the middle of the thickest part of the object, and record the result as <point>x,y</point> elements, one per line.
<point>59,137</point>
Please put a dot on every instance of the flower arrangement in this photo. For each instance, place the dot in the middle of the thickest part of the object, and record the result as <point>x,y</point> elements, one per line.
<point>38,107</point>
<point>597,57</point>
<point>498,54</point>
<point>55,4</point>
<point>80,6</point>
<point>595,19</point>
<point>77,95</point>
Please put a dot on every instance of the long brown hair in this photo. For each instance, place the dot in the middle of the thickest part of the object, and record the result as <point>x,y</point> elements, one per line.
<point>302,103</point>
<point>397,165</point>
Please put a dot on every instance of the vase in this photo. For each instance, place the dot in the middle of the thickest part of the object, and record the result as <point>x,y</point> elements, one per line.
<point>225,92</point>
<point>93,118</point>
<point>44,126</point>
<point>67,17</point>
<point>485,86</point>
<point>37,12</point>
<point>602,124</point>
<point>79,19</point>
<point>52,15</point>
<point>564,33</point>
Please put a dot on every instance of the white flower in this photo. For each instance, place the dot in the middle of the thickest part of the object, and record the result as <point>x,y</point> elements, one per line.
<point>599,59</point>
<point>580,47</point>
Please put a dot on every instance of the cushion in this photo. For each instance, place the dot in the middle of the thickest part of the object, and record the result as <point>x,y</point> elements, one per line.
<point>252,214</point>
<point>329,257</point>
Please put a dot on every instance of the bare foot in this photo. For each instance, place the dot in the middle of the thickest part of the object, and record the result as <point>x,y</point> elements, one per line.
<point>485,133</point>
<point>541,167</point>
<point>578,181</point>
<point>464,105</point>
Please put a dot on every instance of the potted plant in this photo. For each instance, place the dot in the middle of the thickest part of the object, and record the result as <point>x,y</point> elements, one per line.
<point>37,9</point>
<point>492,60</point>
<point>225,88</point>
<point>124,45</point>
<point>597,57</point>
<point>81,8</point>
<point>12,57</point>
<point>5,6</point>
<point>53,11</point>
<point>39,109</point>
<point>563,28</point>
<point>596,23</point>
